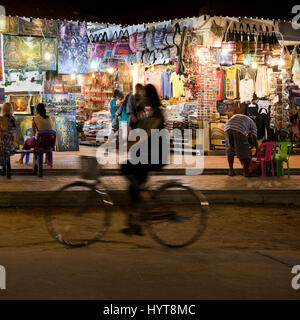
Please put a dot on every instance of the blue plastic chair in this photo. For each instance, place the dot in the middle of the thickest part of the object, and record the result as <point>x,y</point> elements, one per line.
<point>27,156</point>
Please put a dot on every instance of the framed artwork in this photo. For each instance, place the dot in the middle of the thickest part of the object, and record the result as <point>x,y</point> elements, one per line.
<point>60,104</point>
<point>217,135</point>
<point>29,53</point>
<point>20,103</point>
<point>19,80</point>
<point>56,86</point>
<point>23,123</point>
<point>66,133</point>
<point>1,59</point>
<point>72,48</point>
<point>9,25</point>
<point>38,27</point>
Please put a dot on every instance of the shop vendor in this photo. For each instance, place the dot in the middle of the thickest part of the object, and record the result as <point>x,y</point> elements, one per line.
<point>238,130</point>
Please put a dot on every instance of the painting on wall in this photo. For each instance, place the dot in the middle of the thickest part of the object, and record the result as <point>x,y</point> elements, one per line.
<point>60,104</point>
<point>23,123</point>
<point>20,103</point>
<point>56,86</point>
<point>9,25</point>
<point>38,27</point>
<point>66,134</point>
<point>29,53</point>
<point>18,80</point>
<point>72,48</point>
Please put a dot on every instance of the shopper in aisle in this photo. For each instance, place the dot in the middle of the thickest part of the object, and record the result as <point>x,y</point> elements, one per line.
<point>121,117</point>
<point>238,129</point>
<point>114,105</point>
<point>40,122</point>
<point>136,106</point>
<point>7,131</point>
<point>137,174</point>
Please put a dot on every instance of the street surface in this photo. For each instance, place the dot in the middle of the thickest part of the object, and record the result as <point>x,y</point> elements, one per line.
<point>246,252</point>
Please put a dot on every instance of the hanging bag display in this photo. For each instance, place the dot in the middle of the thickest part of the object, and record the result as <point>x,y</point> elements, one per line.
<point>132,42</point>
<point>171,36</point>
<point>275,47</point>
<point>266,43</point>
<point>121,46</point>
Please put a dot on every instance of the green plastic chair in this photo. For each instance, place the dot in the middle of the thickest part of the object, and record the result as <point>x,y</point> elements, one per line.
<point>285,149</point>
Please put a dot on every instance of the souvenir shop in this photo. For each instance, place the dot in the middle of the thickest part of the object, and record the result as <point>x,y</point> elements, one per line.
<point>205,69</point>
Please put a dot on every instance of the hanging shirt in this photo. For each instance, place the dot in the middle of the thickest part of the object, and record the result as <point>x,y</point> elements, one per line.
<point>154,78</point>
<point>220,85</point>
<point>246,90</point>
<point>166,86</point>
<point>263,106</point>
<point>177,85</point>
<point>231,83</point>
<point>261,84</point>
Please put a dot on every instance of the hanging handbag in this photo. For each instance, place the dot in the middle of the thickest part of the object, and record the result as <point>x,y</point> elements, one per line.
<point>132,42</point>
<point>266,43</point>
<point>275,47</point>
<point>226,59</point>
<point>141,41</point>
<point>260,44</point>
<point>159,37</point>
<point>238,41</point>
<point>121,46</point>
<point>252,42</point>
<point>228,42</point>
<point>171,36</point>
<point>149,39</point>
<point>246,47</point>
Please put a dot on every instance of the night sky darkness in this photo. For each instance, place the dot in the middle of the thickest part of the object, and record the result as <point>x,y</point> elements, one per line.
<point>131,12</point>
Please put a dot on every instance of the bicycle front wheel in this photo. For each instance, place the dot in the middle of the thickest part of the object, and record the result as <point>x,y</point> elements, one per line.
<point>178,215</point>
<point>78,214</point>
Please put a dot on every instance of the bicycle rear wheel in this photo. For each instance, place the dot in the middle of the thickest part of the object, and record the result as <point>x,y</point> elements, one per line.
<point>178,215</point>
<point>78,214</point>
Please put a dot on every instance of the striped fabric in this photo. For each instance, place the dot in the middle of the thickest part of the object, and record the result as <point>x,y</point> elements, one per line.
<point>242,124</point>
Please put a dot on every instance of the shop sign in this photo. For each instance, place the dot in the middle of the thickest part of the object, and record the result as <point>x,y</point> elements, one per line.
<point>72,48</point>
<point>38,27</point>
<point>29,53</point>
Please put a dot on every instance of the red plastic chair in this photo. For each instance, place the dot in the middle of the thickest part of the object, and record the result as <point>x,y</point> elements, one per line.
<point>264,155</point>
<point>46,141</point>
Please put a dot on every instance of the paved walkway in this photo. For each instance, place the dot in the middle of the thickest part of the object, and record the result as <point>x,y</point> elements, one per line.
<point>70,160</point>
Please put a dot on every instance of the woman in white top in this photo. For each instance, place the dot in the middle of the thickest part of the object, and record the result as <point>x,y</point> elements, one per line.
<point>40,122</point>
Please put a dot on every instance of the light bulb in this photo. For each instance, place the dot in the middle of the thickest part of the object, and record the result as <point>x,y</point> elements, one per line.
<point>110,70</point>
<point>199,53</point>
<point>281,63</point>
<point>254,65</point>
<point>93,75</point>
<point>73,76</point>
<point>94,65</point>
<point>47,55</point>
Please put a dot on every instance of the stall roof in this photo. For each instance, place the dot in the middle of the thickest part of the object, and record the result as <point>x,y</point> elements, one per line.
<point>289,32</point>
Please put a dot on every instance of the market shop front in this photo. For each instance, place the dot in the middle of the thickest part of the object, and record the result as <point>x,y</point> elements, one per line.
<point>205,69</point>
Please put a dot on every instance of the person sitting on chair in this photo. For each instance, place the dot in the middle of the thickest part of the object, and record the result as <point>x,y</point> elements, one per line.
<point>40,122</point>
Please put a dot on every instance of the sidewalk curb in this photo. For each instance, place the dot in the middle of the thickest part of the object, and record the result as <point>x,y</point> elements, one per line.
<point>120,197</point>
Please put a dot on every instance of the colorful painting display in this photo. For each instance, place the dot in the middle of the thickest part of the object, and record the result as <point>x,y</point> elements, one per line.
<point>56,86</point>
<point>60,104</point>
<point>9,25</point>
<point>18,80</point>
<point>20,104</point>
<point>38,27</point>
<point>29,53</point>
<point>72,48</point>
<point>23,124</point>
<point>66,134</point>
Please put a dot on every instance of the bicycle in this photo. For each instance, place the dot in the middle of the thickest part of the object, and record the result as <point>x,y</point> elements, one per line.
<point>175,211</point>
